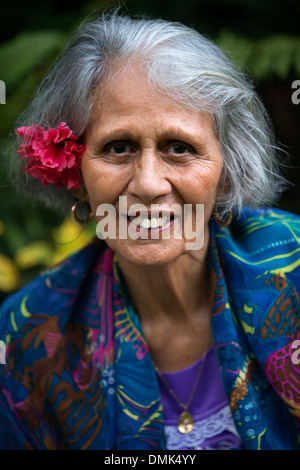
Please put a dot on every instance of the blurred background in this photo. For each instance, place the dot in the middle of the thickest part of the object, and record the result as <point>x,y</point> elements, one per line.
<point>260,36</point>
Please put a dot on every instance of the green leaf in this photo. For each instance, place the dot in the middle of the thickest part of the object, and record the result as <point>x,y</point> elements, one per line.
<point>273,56</point>
<point>20,55</point>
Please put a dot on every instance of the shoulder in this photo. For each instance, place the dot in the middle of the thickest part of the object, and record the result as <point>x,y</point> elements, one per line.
<point>256,224</point>
<point>50,293</point>
<point>260,251</point>
<point>266,238</point>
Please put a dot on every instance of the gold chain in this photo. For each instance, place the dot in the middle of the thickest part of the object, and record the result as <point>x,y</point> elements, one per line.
<point>185,422</point>
<point>171,391</point>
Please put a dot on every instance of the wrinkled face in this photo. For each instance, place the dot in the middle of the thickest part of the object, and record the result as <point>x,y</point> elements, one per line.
<point>144,148</point>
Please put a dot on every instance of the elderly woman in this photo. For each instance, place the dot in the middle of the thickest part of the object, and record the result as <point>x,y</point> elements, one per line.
<point>176,327</point>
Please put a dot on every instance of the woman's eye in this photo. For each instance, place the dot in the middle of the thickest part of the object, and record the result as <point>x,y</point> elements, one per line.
<point>179,149</point>
<point>120,148</point>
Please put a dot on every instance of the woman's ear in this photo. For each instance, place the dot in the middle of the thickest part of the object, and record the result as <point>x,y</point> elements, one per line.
<point>223,185</point>
<point>81,210</point>
<point>81,193</point>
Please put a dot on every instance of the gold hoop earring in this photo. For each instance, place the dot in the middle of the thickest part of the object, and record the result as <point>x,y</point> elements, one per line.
<point>81,213</point>
<point>225,220</point>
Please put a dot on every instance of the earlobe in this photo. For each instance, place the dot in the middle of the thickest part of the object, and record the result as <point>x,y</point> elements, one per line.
<point>80,193</point>
<point>223,186</point>
<point>82,213</point>
<point>225,219</point>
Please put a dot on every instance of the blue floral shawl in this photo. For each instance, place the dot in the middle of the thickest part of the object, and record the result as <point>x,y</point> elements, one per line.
<point>78,373</point>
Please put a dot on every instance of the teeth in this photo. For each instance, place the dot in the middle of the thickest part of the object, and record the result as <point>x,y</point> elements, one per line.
<point>146,223</point>
<point>136,220</point>
<point>154,223</point>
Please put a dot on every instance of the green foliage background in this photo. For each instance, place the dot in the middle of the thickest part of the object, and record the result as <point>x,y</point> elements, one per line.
<point>261,36</point>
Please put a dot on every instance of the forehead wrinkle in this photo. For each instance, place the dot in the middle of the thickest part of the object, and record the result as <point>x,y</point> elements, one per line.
<point>113,97</point>
<point>117,110</point>
<point>147,115</point>
<point>157,133</point>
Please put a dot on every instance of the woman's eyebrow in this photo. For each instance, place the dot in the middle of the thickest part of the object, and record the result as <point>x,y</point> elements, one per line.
<point>171,134</point>
<point>178,134</point>
<point>111,136</point>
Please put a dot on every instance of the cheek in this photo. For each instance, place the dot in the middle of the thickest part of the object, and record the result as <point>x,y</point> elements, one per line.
<point>201,183</point>
<point>101,184</point>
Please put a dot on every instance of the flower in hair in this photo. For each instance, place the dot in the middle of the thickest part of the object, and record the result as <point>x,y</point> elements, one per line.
<point>53,155</point>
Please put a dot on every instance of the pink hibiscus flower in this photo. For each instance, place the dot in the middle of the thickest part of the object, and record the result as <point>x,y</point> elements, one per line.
<point>52,155</point>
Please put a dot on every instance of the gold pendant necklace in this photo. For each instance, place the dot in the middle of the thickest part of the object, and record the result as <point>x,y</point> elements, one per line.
<point>185,422</point>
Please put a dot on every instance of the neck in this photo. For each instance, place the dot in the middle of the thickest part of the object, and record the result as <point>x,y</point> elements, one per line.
<point>173,305</point>
<point>177,290</point>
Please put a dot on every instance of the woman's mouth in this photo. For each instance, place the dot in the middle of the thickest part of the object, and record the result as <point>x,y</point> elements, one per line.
<point>150,224</point>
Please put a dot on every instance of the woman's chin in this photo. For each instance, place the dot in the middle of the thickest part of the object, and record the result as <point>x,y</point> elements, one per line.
<point>149,252</point>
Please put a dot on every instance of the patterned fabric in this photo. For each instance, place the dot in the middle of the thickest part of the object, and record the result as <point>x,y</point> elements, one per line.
<point>217,432</point>
<point>78,373</point>
<point>256,318</point>
<point>214,428</point>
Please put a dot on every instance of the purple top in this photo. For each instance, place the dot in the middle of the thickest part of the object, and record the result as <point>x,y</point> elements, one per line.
<point>213,423</point>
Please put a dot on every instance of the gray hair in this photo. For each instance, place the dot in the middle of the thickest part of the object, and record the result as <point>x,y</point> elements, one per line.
<point>180,63</point>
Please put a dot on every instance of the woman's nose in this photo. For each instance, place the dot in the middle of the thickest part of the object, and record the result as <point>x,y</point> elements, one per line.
<point>149,179</point>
